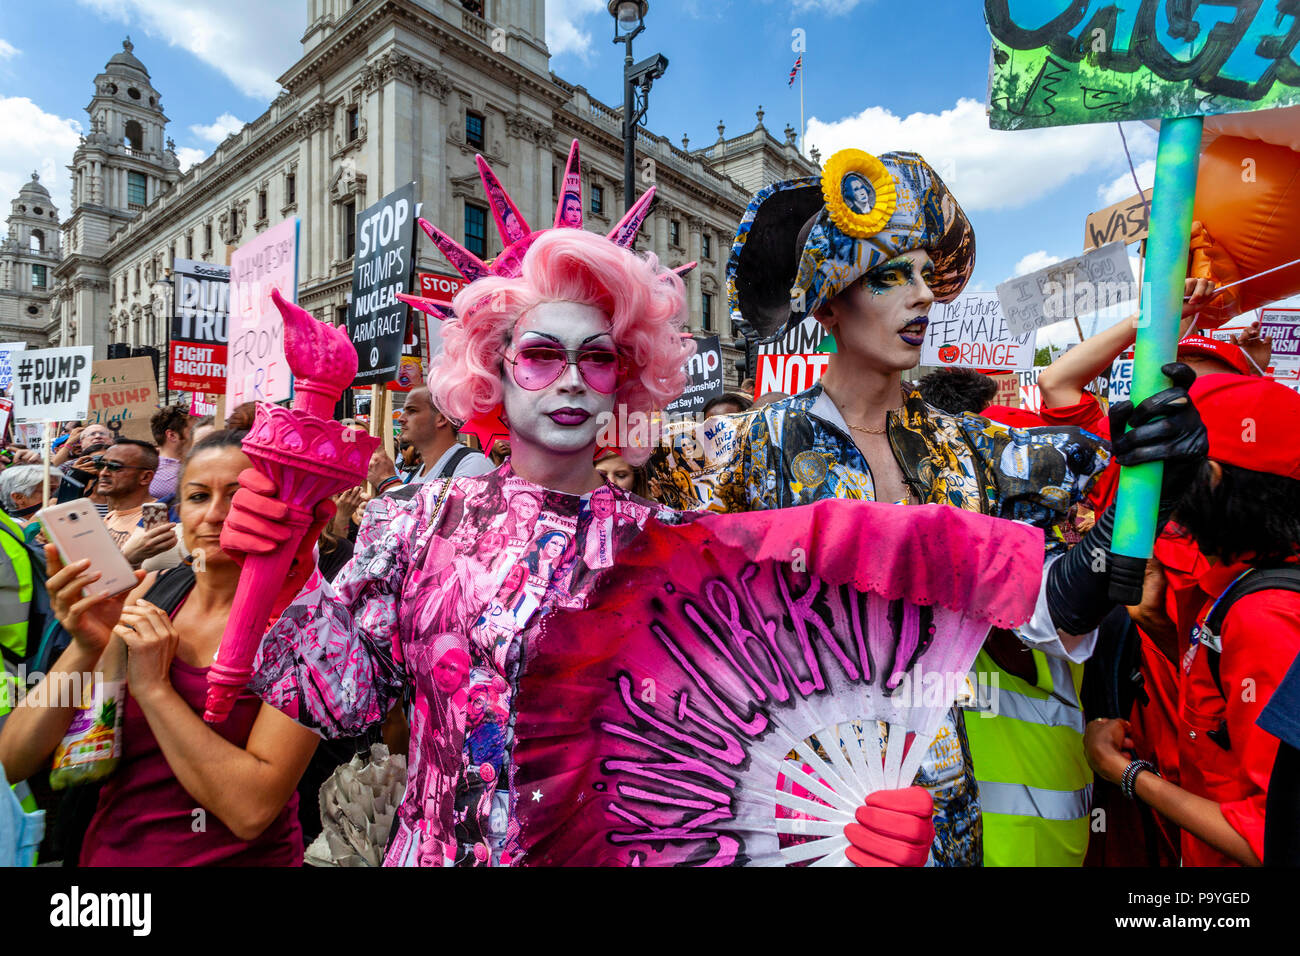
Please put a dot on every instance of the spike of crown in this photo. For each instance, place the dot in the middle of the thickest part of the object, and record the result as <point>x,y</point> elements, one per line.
<point>517,236</point>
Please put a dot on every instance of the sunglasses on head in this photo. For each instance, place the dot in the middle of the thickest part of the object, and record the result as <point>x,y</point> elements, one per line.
<point>537,366</point>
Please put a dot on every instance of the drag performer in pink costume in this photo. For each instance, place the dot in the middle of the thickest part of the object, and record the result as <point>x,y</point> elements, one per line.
<point>439,605</point>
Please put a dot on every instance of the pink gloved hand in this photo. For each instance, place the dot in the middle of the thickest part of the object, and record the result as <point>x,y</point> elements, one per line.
<point>257,524</point>
<point>894,828</point>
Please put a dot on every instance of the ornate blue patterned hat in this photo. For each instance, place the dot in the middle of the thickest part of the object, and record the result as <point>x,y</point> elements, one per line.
<point>802,242</point>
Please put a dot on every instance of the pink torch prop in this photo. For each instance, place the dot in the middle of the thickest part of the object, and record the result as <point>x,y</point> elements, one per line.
<point>310,457</point>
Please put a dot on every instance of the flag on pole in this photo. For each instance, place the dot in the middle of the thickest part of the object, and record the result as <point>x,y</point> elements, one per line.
<point>794,71</point>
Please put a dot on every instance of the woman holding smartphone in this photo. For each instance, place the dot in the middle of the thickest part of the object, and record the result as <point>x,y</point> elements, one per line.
<point>185,792</point>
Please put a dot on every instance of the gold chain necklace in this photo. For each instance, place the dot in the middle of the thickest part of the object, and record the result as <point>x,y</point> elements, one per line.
<point>871,431</point>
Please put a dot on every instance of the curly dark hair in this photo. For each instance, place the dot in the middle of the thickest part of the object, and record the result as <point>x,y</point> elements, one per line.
<point>1247,516</point>
<point>957,390</point>
<point>169,417</point>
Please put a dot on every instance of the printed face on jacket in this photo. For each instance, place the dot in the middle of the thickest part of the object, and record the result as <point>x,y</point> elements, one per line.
<point>882,318</point>
<point>564,416</point>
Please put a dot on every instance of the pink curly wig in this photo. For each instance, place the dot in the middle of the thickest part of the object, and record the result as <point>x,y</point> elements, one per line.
<point>646,308</point>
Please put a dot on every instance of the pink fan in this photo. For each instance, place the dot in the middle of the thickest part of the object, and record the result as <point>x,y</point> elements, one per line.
<point>311,457</point>
<point>738,664</point>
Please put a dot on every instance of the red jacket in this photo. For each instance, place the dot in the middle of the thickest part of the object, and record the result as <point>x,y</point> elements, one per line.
<point>1260,639</point>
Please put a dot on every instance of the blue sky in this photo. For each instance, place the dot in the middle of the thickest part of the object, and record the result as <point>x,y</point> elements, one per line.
<point>880,75</point>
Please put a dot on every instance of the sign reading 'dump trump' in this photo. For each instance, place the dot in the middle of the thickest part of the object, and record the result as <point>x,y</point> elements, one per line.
<point>1060,62</point>
<point>382,269</point>
<point>52,385</point>
<point>200,327</point>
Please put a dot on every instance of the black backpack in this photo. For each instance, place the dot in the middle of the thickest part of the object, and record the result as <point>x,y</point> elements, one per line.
<point>1285,578</point>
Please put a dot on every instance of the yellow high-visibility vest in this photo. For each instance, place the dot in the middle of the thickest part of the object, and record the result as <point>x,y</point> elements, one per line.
<point>1035,784</point>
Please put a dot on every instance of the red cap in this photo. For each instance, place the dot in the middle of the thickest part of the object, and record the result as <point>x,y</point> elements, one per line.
<point>1015,417</point>
<point>1229,353</point>
<point>1252,422</point>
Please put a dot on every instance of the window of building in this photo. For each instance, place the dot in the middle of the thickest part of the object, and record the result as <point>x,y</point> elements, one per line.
<point>136,186</point>
<point>474,130</point>
<point>675,232</point>
<point>207,237</point>
<point>349,229</point>
<point>37,241</point>
<point>706,246</point>
<point>598,200</point>
<point>38,277</point>
<point>189,245</point>
<point>476,230</point>
<point>354,124</point>
<point>341,316</point>
<point>706,311</point>
<point>134,134</point>
<point>171,263</point>
<point>261,204</point>
<point>555,183</point>
<point>290,189</point>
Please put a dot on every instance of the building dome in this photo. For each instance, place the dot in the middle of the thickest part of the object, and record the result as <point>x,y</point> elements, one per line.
<point>34,191</point>
<point>126,60</point>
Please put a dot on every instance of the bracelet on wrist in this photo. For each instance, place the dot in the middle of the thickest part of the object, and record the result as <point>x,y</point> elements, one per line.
<point>1128,780</point>
<point>387,483</point>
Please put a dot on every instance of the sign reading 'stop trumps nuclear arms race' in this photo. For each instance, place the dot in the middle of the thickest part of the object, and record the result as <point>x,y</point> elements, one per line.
<point>382,269</point>
<point>1061,62</point>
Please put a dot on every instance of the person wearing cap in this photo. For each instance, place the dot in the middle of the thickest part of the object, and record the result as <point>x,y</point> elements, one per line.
<point>870,279</point>
<point>1172,596</point>
<point>1243,510</point>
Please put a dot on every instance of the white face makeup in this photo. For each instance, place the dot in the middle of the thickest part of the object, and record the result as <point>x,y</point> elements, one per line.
<point>565,416</point>
<point>883,316</point>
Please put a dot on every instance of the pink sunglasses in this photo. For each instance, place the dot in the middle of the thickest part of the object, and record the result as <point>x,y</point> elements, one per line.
<point>538,366</point>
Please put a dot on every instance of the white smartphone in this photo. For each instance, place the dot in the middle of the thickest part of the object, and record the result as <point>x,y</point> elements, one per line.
<point>79,532</point>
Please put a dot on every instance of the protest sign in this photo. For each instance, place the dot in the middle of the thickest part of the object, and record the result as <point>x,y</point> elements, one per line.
<point>1069,289</point>
<point>200,325</point>
<point>442,289</point>
<point>7,365</point>
<point>789,373</point>
<point>970,332</point>
<point>6,409</point>
<point>1120,386</point>
<point>704,371</point>
<point>1008,390</point>
<point>124,396</point>
<point>803,339</point>
<point>1284,326</point>
<point>52,385</point>
<point>1057,62</point>
<point>256,366</point>
<point>381,269</point>
<point>202,405</point>
<point>1126,221</point>
<point>1030,398</point>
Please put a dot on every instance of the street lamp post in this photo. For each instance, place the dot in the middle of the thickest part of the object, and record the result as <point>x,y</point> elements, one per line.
<point>629,21</point>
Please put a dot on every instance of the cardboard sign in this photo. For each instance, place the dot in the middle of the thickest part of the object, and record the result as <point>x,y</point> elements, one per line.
<point>52,385</point>
<point>1069,289</point>
<point>381,269</point>
<point>791,374</point>
<point>704,371</point>
<point>1030,398</point>
<point>124,396</point>
<point>1126,221</point>
<point>1008,390</point>
<point>970,332</point>
<point>256,367</point>
<point>196,360</point>
<point>7,364</point>
<point>1057,62</point>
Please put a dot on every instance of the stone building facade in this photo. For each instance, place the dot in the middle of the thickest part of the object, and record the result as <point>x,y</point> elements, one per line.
<point>29,256</point>
<point>386,92</point>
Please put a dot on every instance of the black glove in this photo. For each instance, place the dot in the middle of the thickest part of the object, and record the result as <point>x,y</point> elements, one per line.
<point>1165,427</point>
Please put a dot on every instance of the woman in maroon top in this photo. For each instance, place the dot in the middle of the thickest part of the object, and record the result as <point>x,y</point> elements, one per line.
<point>186,792</point>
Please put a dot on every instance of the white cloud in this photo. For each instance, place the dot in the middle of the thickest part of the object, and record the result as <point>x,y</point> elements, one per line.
<point>188,156</point>
<point>1121,187</point>
<point>564,26</point>
<point>1040,259</point>
<point>7,49</point>
<point>831,7</point>
<point>36,141</point>
<point>250,42</point>
<point>987,169</point>
<point>218,129</point>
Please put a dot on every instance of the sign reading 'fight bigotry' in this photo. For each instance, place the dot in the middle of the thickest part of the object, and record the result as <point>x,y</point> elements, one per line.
<point>196,359</point>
